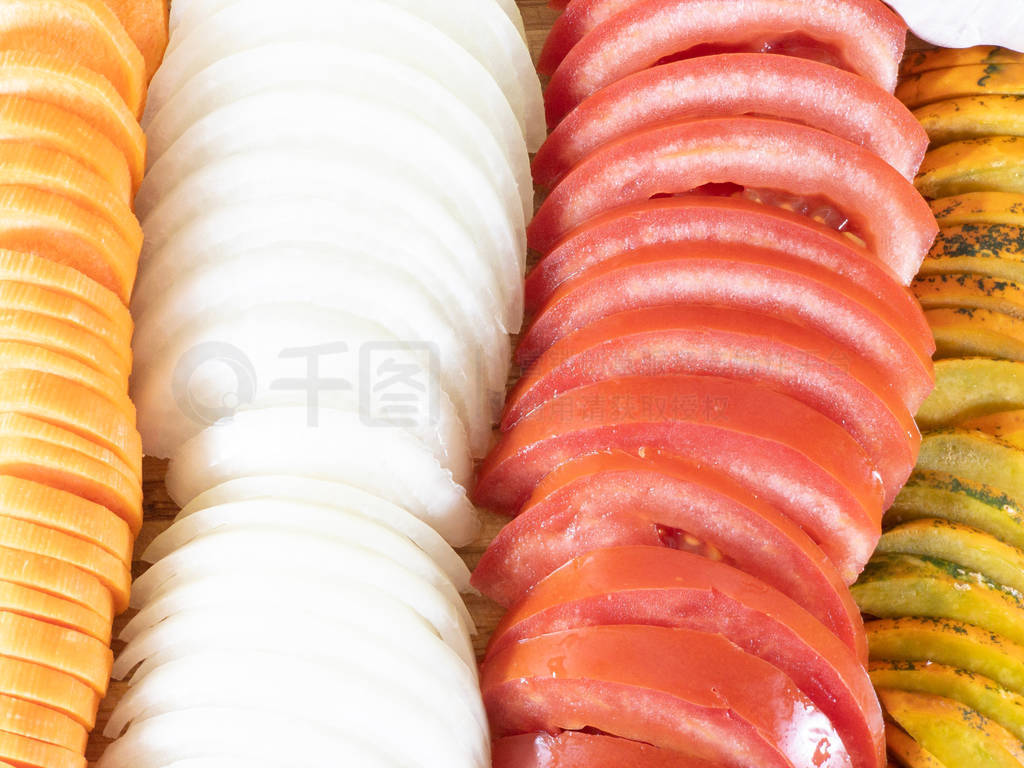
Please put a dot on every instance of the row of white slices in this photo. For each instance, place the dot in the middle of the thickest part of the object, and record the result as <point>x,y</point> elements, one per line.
<point>353,176</point>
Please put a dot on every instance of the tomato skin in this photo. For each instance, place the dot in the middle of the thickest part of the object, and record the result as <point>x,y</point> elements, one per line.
<point>669,588</point>
<point>612,499</point>
<point>799,362</point>
<point>740,277</point>
<point>637,34</point>
<point>732,85</point>
<point>795,457</point>
<point>693,692</point>
<point>896,222</point>
<point>571,749</point>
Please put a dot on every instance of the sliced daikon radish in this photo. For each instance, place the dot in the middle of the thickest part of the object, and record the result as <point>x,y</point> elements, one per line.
<point>386,463</point>
<point>323,522</point>
<point>229,359</point>
<point>340,496</point>
<point>341,693</point>
<point>362,74</point>
<point>511,10</point>
<point>340,562</point>
<point>965,24</point>
<point>277,738</point>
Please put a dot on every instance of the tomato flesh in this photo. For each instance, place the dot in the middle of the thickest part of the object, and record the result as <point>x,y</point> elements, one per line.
<point>573,749</point>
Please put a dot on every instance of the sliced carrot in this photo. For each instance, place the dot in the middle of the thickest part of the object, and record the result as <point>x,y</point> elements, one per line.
<point>62,511</point>
<point>26,601</point>
<point>71,408</point>
<point>26,718</point>
<point>82,92</point>
<point>33,357</point>
<point>27,268</point>
<point>28,165</point>
<point>23,752</point>
<point>146,24</point>
<point>50,688</point>
<point>65,650</point>
<point>65,338</point>
<point>25,121</point>
<point>112,573</point>
<point>75,472</point>
<point>86,30</point>
<point>57,578</point>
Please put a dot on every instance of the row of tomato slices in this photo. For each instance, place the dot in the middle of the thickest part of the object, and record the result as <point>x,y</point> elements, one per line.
<point>723,359</point>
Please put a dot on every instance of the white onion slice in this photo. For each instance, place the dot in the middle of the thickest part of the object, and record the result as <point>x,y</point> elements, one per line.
<point>359,74</point>
<point>965,23</point>
<point>347,497</point>
<point>342,693</point>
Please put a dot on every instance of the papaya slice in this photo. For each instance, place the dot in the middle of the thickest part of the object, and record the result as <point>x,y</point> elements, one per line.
<point>995,250</point>
<point>896,584</point>
<point>967,547</point>
<point>71,406</point>
<point>970,291</point>
<point>1008,426</point>
<point>33,721</point>
<point>1005,208</point>
<point>949,642</point>
<point>48,125</point>
<point>50,688</point>
<point>977,692</point>
<point>24,752</point>
<point>972,117</point>
<point>930,59</point>
<point>66,513</point>
<point>57,578</point>
<point>26,601</point>
<point>973,165</point>
<point>908,753</point>
<point>77,89</point>
<point>966,388</point>
<point>974,456</point>
<point>145,21</point>
<point>937,494</point>
<point>65,650</point>
<point>925,88</point>
<point>957,735</point>
<point>966,332</point>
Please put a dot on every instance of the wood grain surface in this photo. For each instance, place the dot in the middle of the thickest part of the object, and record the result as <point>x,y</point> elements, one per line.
<point>160,510</point>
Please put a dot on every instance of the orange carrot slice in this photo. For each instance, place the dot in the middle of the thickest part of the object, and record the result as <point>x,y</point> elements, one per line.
<point>30,753</point>
<point>75,472</point>
<point>26,268</point>
<point>67,513</point>
<point>32,357</point>
<point>145,21</point>
<point>27,165</point>
<point>111,572</point>
<point>65,650</point>
<point>86,30</point>
<point>57,578</point>
<point>65,338</point>
<point>82,92</point>
<point>25,121</point>
<point>49,688</point>
<point>26,601</point>
<point>26,718</point>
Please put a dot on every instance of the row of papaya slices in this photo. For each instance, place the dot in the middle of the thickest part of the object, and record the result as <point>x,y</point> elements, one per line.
<point>71,156</point>
<point>943,591</point>
<point>720,378</point>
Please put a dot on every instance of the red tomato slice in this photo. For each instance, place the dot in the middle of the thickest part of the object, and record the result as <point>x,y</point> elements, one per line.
<point>611,499</point>
<point>597,42</point>
<point>732,85</point>
<point>757,153</point>
<point>794,457</point>
<point>571,749</point>
<point>800,362</point>
<point>668,588</point>
<point>693,692</point>
<point>746,278</point>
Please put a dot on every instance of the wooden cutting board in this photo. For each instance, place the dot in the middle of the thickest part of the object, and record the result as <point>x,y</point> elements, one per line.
<point>160,510</point>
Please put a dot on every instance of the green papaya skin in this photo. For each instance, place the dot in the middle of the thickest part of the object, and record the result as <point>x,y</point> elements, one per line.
<point>966,388</point>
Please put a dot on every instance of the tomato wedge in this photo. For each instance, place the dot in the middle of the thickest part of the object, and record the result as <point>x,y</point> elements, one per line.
<point>668,588</point>
<point>612,498</point>
<point>740,277</point>
<point>794,457</point>
<point>882,207</point>
<point>597,42</point>
<point>571,749</point>
<point>730,85</point>
<point>694,692</point>
<point>800,362</point>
